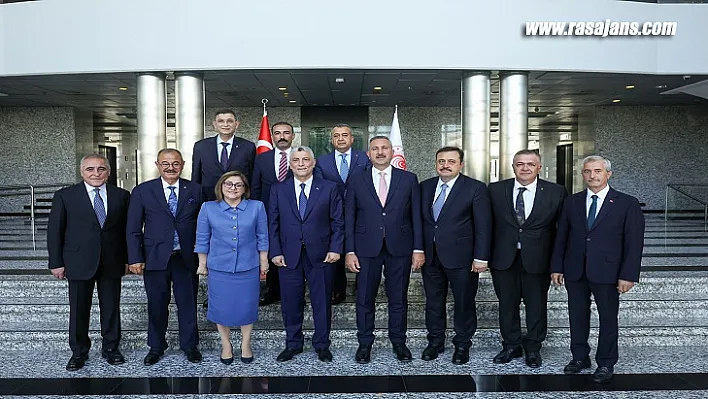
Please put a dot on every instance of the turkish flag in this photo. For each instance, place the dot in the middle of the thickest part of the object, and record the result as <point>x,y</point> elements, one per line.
<point>265,142</point>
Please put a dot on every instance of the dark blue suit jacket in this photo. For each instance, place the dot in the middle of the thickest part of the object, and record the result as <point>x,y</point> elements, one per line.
<point>611,250</point>
<point>322,229</point>
<point>206,168</point>
<point>366,221</point>
<point>326,168</point>
<point>265,176</point>
<point>463,231</point>
<point>148,208</point>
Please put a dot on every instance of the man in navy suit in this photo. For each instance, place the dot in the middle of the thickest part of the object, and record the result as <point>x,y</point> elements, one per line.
<point>340,166</point>
<point>306,227</point>
<point>214,156</point>
<point>598,251</point>
<point>272,167</point>
<point>526,211</point>
<point>383,225</point>
<point>457,227</point>
<point>167,209</point>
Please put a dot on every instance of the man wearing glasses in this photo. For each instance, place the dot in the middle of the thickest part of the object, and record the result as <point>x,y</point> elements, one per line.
<point>167,209</point>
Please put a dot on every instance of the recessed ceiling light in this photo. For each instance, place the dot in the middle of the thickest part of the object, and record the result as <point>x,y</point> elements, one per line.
<point>282,88</point>
<point>661,86</point>
<point>285,94</point>
<point>4,94</point>
<point>377,87</point>
<point>292,101</point>
<point>616,100</point>
<point>122,88</point>
<point>629,87</point>
<point>339,80</point>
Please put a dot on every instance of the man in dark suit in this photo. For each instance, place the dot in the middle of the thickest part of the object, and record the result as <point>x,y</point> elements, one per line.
<point>526,211</point>
<point>598,251</point>
<point>457,225</point>
<point>86,244</point>
<point>166,209</point>
<point>383,225</point>
<point>272,167</point>
<point>214,156</point>
<point>340,166</point>
<point>306,227</point>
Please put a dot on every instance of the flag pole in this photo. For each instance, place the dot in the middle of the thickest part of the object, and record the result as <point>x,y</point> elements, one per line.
<point>264,101</point>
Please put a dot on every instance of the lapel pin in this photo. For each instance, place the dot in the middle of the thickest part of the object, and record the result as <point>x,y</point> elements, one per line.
<point>612,201</point>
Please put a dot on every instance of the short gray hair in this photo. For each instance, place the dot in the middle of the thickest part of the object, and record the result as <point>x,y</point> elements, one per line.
<point>95,156</point>
<point>306,149</point>
<point>597,158</point>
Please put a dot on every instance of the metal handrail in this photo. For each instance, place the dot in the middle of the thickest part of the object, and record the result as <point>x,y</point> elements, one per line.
<point>33,193</point>
<point>676,188</point>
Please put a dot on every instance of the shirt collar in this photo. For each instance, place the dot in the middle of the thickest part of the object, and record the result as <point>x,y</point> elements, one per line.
<point>230,141</point>
<point>278,151</point>
<point>450,183</point>
<point>90,188</point>
<point>375,172</point>
<point>531,187</point>
<point>347,152</point>
<point>165,184</point>
<point>308,182</point>
<point>601,195</point>
<point>223,205</point>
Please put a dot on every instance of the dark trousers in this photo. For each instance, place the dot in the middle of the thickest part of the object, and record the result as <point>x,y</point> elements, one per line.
<point>397,274</point>
<point>272,281</point>
<point>464,285</point>
<point>292,290</point>
<point>183,282</point>
<point>80,299</point>
<point>607,301</point>
<point>340,278</point>
<point>511,286</point>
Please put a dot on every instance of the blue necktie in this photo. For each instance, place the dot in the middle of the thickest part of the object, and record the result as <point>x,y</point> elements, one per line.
<point>99,207</point>
<point>344,168</point>
<point>302,201</point>
<point>439,202</point>
<point>224,156</point>
<point>172,203</point>
<point>592,212</point>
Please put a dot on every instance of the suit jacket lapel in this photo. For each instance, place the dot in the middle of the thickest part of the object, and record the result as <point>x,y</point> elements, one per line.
<point>509,199</point>
<point>217,156</point>
<point>606,208</point>
<point>451,196</point>
<point>395,179</point>
<point>537,201</point>
<point>370,185</point>
<point>183,195</point>
<point>292,197</point>
<point>233,154</point>
<point>315,191</point>
<point>159,194</point>
<point>332,163</point>
<point>82,193</point>
<point>427,199</point>
<point>581,207</point>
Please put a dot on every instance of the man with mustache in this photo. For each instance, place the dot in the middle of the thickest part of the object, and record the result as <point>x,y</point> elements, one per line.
<point>272,167</point>
<point>340,166</point>
<point>526,210</point>
<point>457,227</point>
<point>598,251</point>
<point>383,227</point>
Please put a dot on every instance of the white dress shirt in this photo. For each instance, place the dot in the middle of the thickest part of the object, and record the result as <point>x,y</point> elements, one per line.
<point>600,200</point>
<point>166,191</point>
<point>102,192</point>
<point>377,178</point>
<point>438,189</point>
<point>276,160</point>
<point>529,196</point>
<point>338,159</point>
<point>298,189</point>
<point>219,147</point>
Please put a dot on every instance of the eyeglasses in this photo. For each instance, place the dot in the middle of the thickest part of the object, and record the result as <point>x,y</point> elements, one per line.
<point>228,184</point>
<point>173,164</point>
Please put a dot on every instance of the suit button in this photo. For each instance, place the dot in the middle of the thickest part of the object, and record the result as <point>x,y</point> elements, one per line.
<point>383,214</point>
<point>436,226</point>
<point>233,249</point>
<point>381,228</point>
<point>235,227</point>
<point>588,239</point>
<point>234,239</point>
<point>233,217</point>
<point>521,230</point>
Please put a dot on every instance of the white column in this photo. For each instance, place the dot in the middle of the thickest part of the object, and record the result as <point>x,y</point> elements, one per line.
<point>152,123</point>
<point>475,124</point>
<point>513,119</point>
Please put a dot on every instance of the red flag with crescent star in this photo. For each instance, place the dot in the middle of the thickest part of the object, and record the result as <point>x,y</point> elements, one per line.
<point>265,142</point>
<point>399,158</point>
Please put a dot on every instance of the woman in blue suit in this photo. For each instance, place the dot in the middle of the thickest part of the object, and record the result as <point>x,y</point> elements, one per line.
<point>232,244</point>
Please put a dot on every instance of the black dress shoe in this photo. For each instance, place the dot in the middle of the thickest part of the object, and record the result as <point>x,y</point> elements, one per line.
<point>507,354</point>
<point>533,359</point>
<point>461,356</point>
<point>152,358</point>
<point>268,299</point>
<point>324,355</point>
<point>431,352</point>
<point>288,354</point>
<point>363,354</point>
<point>575,366</point>
<point>228,360</point>
<point>193,355</point>
<point>76,363</point>
<point>338,298</point>
<point>402,352</point>
<point>602,375</point>
<point>113,357</point>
